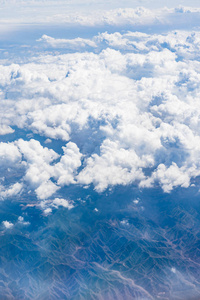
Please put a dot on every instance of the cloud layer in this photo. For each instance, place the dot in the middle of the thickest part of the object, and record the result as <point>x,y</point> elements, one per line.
<point>136,13</point>
<point>125,107</point>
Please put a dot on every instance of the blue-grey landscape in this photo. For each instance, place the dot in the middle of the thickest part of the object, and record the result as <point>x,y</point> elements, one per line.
<point>99,150</point>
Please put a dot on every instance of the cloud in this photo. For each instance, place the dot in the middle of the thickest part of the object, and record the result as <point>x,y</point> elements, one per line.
<point>22,222</point>
<point>62,202</point>
<point>5,129</point>
<point>111,14</point>
<point>38,168</point>
<point>113,166</point>
<point>41,166</point>
<point>13,190</point>
<point>9,154</point>
<point>128,113</point>
<point>33,152</point>
<point>48,205</point>
<point>75,44</point>
<point>17,15</point>
<point>168,178</point>
<point>7,224</point>
<point>65,170</point>
<point>47,211</point>
<point>46,189</point>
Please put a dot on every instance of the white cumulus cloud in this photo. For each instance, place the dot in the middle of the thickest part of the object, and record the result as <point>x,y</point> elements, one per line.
<point>7,224</point>
<point>128,113</point>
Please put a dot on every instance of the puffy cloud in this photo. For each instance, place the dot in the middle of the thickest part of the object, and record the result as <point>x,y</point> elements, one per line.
<point>40,164</point>
<point>7,224</point>
<point>50,122</point>
<point>22,222</point>
<point>182,43</point>
<point>113,166</point>
<point>128,110</point>
<point>46,189</point>
<point>48,205</point>
<point>5,129</point>
<point>65,169</point>
<point>168,178</point>
<point>62,202</point>
<point>33,152</point>
<point>39,170</point>
<point>12,191</point>
<point>47,211</point>
<point>9,154</point>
